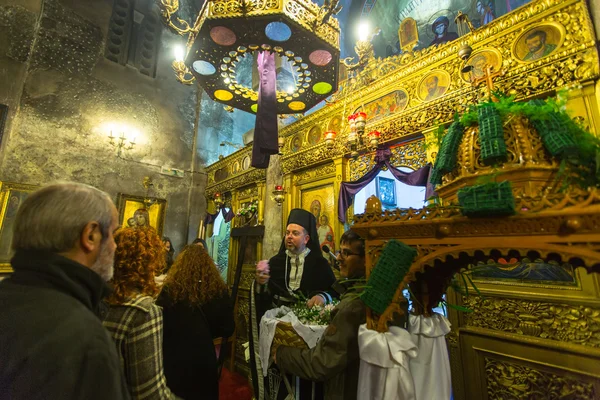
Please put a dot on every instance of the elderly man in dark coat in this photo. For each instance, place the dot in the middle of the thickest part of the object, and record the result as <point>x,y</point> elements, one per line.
<point>298,269</point>
<point>52,342</point>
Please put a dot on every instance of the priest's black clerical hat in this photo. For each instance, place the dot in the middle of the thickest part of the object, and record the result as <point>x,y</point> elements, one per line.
<point>308,221</point>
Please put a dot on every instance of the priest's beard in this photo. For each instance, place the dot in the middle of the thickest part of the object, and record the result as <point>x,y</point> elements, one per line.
<point>104,265</point>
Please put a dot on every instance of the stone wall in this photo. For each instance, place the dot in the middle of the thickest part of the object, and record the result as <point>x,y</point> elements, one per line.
<point>64,96</point>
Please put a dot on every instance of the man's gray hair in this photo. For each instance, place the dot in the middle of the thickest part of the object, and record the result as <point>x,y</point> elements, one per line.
<point>53,218</point>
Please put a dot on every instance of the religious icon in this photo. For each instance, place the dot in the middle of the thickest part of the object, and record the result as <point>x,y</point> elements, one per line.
<point>141,217</point>
<point>485,9</point>
<point>134,213</point>
<point>386,191</point>
<point>296,143</point>
<point>315,209</point>
<point>525,272</point>
<point>246,163</point>
<point>325,232</point>
<point>320,202</point>
<point>538,42</point>
<point>440,31</point>
<point>235,168</point>
<point>480,60</point>
<point>433,85</point>
<point>335,124</point>
<point>314,135</point>
<point>408,34</point>
<point>386,105</point>
<point>11,197</point>
<point>512,4</point>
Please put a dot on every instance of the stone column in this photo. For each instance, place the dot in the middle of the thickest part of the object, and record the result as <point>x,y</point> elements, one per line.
<point>273,213</point>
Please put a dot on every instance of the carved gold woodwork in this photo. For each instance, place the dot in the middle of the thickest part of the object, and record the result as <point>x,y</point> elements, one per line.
<point>252,176</point>
<point>513,381</point>
<point>504,366</point>
<point>566,323</point>
<point>411,155</point>
<point>529,167</point>
<point>573,63</point>
<point>312,174</point>
<point>248,192</point>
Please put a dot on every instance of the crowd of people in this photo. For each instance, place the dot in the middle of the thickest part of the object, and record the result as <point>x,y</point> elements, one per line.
<point>96,311</point>
<point>84,316</point>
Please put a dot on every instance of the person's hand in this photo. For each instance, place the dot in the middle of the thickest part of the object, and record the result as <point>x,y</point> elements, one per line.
<point>316,301</point>
<point>262,272</point>
<point>274,353</point>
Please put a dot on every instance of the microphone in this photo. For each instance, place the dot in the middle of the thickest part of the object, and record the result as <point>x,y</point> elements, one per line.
<point>326,249</point>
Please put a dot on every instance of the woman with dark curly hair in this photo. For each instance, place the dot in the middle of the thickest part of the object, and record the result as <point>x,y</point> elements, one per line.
<point>197,309</point>
<point>170,252</point>
<point>133,320</point>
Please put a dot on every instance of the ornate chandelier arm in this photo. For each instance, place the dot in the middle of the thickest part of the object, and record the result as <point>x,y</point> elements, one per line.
<point>167,9</point>
<point>181,70</point>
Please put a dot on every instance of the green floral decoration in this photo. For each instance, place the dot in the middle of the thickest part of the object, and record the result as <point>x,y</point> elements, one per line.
<point>249,210</point>
<point>563,137</point>
<point>316,315</point>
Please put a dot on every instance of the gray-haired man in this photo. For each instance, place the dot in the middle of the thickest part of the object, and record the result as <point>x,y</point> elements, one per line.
<point>52,344</point>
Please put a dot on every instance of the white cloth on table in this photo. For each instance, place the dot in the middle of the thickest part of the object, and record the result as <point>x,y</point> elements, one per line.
<point>384,364</point>
<point>309,333</point>
<point>431,368</point>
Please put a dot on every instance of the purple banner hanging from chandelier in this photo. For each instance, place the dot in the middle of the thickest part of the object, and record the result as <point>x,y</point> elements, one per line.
<point>265,128</point>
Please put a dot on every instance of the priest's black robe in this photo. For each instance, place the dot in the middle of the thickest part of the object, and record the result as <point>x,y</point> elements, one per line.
<point>317,278</point>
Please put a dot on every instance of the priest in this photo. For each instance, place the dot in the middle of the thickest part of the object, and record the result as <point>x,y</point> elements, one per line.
<point>297,271</point>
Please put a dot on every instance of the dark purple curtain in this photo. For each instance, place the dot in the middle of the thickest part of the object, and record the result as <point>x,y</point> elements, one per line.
<point>419,177</point>
<point>227,216</point>
<point>265,127</point>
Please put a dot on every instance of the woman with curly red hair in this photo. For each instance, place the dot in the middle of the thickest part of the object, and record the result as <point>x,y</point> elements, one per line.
<point>197,309</point>
<point>133,320</point>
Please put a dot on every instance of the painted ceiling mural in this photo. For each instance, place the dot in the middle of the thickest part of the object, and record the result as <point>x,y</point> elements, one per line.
<point>435,20</point>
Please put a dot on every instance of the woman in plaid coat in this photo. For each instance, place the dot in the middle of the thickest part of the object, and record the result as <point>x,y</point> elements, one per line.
<point>133,320</point>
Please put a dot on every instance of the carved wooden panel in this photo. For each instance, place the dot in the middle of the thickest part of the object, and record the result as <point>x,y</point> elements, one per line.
<point>505,366</point>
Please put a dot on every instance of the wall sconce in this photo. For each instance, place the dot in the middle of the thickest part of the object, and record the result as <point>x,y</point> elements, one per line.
<point>329,139</point>
<point>361,122</point>
<point>218,200</point>
<point>356,123</point>
<point>148,184</point>
<point>120,143</point>
<point>278,195</point>
<point>374,138</point>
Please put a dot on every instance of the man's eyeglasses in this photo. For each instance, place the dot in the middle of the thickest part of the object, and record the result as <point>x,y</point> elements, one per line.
<point>345,253</point>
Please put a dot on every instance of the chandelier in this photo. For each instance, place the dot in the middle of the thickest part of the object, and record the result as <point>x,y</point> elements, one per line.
<point>302,34</point>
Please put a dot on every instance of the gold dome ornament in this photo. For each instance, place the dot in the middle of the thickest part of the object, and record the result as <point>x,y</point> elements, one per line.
<point>373,205</point>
